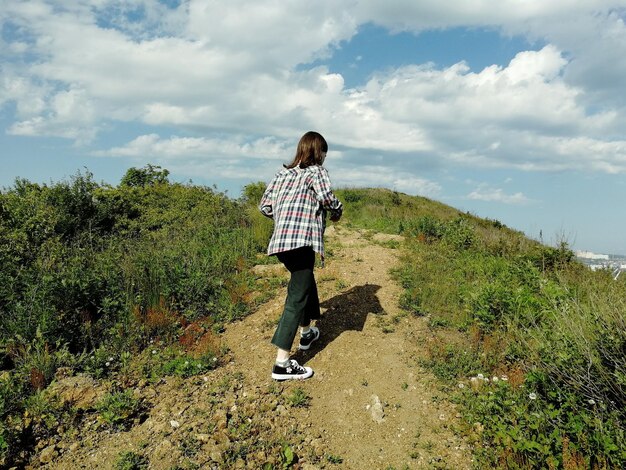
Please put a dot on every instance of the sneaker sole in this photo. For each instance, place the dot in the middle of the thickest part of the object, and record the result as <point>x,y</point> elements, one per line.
<point>283,377</point>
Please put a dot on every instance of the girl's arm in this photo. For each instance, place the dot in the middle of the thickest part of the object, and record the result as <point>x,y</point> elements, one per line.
<point>265,206</point>
<point>321,186</point>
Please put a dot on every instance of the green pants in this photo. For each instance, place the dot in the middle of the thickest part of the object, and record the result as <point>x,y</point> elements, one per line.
<point>302,303</point>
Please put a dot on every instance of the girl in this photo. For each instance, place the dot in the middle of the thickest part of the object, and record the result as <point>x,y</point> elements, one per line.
<point>297,199</point>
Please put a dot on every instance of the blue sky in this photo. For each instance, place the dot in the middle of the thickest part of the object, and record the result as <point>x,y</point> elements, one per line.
<point>510,109</point>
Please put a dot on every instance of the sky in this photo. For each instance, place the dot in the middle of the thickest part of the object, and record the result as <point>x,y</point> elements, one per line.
<point>513,110</point>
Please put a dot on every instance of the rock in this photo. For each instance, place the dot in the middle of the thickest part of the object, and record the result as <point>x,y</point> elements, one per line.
<point>175,424</point>
<point>48,454</point>
<point>376,409</point>
<point>281,410</point>
<point>79,391</point>
<point>203,437</point>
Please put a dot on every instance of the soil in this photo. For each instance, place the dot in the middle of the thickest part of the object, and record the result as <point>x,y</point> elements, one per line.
<point>370,405</point>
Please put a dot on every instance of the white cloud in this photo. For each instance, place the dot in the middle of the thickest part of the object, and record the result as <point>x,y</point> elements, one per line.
<point>153,146</point>
<point>226,71</point>
<point>485,193</point>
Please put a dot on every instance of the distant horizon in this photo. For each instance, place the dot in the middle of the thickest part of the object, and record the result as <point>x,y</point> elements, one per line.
<point>511,112</point>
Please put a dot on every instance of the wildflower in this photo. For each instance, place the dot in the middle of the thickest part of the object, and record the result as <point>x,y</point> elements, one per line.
<point>111,359</point>
<point>461,385</point>
<point>591,402</point>
<point>186,363</point>
<point>154,351</point>
<point>504,377</point>
<point>473,379</point>
<point>495,379</point>
<point>214,359</point>
<point>532,396</point>
<point>480,376</point>
<point>486,379</point>
<point>107,364</point>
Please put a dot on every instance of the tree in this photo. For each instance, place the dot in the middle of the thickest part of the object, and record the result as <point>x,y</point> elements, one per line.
<point>146,176</point>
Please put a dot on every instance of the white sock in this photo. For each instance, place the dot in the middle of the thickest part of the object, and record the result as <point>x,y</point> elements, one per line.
<point>304,330</point>
<point>282,358</point>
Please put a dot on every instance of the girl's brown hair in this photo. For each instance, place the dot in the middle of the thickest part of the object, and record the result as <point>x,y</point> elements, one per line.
<point>311,150</point>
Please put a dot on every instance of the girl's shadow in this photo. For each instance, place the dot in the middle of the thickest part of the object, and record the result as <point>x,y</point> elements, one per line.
<point>347,311</point>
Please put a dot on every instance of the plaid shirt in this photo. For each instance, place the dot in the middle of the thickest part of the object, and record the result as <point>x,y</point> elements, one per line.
<point>297,199</point>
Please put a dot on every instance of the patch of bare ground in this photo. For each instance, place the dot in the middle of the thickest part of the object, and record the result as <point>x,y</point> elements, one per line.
<point>369,405</point>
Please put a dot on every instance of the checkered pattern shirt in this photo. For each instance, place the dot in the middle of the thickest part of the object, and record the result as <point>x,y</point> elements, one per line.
<point>297,199</point>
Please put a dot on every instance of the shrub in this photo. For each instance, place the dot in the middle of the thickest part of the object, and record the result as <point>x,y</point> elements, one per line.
<point>117,408</point>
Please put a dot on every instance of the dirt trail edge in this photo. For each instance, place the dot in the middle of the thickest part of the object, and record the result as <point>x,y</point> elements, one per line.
<point>370,405</point>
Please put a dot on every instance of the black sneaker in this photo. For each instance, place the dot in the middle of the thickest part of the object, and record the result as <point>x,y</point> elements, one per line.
<point>307,340</point>
<point>293,371</point>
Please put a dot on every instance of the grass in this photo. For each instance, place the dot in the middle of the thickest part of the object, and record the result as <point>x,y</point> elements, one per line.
<point>501,305</point>
<point>134,281</point>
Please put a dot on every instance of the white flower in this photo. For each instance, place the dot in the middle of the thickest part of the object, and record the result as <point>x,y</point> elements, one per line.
<point>473,379</point>
<point>480,376</point>
<point>592,402</point>
<point>111,359</point>
<point>495,379</point>
<point>154,351</point>
<point>186,363</point>
<point>504,377</point>
<point>532,396</point>
<point>461,385</point>
<point>486,379</point>
<point>214,359</point>
<point>107,364</point>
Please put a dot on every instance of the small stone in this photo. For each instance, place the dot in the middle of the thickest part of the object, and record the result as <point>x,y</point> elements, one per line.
<point>376,411</point>
<point>48,454</point>
<point>203,437</point>
<point>175,424</point>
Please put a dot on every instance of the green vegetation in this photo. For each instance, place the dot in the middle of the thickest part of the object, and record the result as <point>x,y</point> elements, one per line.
<point>116,409</point>
<point>133,282</point>
<point>532,343</point>
<point>129,460</point>
<point>94,274</point>
<point>299,398</point>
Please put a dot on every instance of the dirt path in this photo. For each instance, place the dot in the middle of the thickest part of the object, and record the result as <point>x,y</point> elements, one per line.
<point>369,405</point>
<point>367,353</point>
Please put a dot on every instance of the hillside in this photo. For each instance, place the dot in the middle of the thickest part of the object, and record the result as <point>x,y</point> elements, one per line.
<point>136,322</point>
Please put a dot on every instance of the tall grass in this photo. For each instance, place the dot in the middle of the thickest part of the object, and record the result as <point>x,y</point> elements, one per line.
<point>550,331</point>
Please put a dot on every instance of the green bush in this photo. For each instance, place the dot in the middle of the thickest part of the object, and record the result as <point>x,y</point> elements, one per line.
<point>92,271</point>
<point>117,408</point>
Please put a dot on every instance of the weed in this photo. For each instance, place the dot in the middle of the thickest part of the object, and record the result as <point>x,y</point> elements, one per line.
<point>129,460</point>
<point>334,459</point>
<point>299,398</point>
<point>117,408</point>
